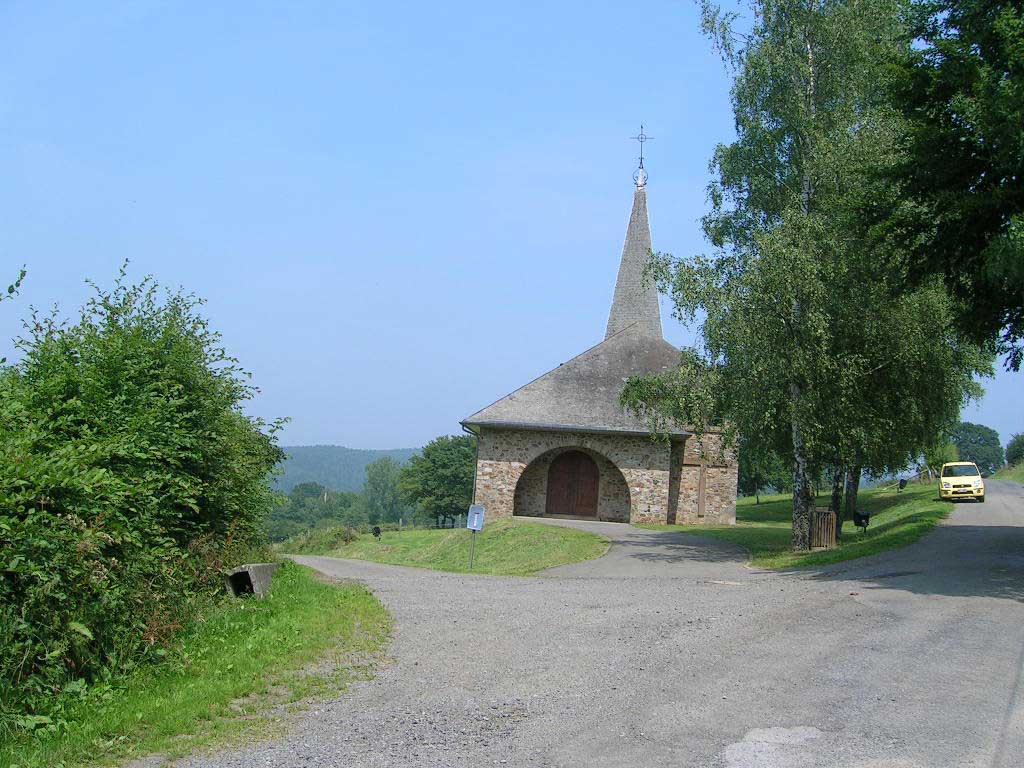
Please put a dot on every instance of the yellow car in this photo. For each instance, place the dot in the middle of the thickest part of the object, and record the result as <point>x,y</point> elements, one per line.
<point>961,480</point>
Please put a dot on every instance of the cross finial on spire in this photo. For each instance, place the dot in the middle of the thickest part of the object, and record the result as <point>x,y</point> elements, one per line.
<point>640,177</point>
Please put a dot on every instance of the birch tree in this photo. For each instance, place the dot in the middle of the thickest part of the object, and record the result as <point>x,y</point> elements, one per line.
<point>802,351</point>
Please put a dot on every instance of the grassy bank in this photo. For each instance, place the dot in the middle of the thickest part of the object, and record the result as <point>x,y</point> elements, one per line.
<point>504,547</point>
<point>897,519</point>
<point>1015,473</point>
<point>248,655</point>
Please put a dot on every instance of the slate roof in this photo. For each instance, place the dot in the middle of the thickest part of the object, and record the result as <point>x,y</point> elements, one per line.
<point>583,393</point>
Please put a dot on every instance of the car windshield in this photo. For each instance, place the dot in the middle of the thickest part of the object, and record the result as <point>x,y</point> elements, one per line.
<point>960,470</point>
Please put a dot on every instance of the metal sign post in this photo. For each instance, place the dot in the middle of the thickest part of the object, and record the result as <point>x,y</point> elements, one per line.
<point>474,522</point>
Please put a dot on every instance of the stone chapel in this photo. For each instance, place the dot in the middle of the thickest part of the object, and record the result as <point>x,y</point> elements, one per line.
<point>563,446</point>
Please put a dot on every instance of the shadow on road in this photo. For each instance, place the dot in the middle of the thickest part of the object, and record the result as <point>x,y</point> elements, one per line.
<point>953,560</point>
<point>665,547</point>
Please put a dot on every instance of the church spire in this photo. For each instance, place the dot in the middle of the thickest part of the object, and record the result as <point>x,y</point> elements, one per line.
<point>636,300</point>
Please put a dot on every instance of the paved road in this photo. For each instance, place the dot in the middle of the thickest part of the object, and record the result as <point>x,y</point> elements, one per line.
<point>670,652</point>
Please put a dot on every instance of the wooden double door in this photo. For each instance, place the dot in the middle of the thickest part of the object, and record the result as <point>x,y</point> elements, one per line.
<point>572,485</point>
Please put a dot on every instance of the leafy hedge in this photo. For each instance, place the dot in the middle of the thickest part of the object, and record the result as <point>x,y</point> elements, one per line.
<point>128,477</point>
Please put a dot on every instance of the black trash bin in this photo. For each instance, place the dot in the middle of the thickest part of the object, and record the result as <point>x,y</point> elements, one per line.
<point>861,520</point>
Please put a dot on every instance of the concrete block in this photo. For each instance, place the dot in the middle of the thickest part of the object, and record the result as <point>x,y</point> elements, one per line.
<point>250,579</point>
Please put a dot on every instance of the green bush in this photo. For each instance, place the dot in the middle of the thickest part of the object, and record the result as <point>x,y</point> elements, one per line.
<point>129,477</point>
<point>1015,450</point>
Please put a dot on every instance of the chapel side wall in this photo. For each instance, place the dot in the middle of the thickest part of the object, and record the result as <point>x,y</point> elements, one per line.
<point>720,495</point>
<point>504,454</point>
<point>697,457</point>
<point>687,500</point>
<point>497,471</point>
<point>675,472</point>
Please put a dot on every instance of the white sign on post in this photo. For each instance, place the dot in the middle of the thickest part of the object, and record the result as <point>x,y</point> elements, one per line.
<point>475,518</point>
<point>474,522</point>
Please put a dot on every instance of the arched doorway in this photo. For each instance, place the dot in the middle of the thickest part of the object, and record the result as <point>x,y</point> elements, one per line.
<point>572,485</point>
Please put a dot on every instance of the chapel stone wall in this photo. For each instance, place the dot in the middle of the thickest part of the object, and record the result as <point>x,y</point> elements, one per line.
<point>612,492</point>
<point>505,454</point>
<point>656,481</point>
<point>704,464</point>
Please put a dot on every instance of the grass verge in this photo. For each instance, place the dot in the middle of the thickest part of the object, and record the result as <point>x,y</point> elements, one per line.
<point>248,656</point>
<point>503,548</point>
<point>897,519</point>
<point>1014,473</point>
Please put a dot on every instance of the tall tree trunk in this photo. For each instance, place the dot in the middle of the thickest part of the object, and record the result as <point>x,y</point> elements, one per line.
<point>852,486</point>
<point>803,492</point>
<point>836,502</point>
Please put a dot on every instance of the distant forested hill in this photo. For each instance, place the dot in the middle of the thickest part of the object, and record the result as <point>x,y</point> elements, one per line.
<point>334,467</point>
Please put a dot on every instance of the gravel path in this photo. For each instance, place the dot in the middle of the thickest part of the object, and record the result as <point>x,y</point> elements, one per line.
<point>669,651</point>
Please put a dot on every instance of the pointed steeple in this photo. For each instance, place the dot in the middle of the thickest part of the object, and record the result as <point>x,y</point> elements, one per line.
<point>636,300</point>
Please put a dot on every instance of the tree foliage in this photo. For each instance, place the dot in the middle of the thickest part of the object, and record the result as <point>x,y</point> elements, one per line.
<point>310,505</point>
<point>380,491</point>
<point>978,443</point>
<point>438,482</point>
<point>128,475</point>
<point>803,350</point>
<point>1015,450</point>
<point>12,291</point>
<point>761,468</point>
<point>957,208</point>
<point>942,451</point>
<point>332,466</point>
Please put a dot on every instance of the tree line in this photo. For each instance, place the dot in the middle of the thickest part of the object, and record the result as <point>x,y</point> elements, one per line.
<point>762,472</point>
<point>865,231</point>
<point>434,487</point>
<point>332,466</point>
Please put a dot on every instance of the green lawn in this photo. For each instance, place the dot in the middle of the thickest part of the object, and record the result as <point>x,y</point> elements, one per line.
<point>247,656</point>
<point>1015,473</point>
<point>897,519</point>
<point>504,547</point>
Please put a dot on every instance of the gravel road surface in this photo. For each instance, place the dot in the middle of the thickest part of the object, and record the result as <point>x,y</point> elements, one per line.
<point>669,651</point>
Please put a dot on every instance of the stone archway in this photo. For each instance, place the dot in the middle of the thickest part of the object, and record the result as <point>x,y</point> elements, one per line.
<point>530,498</point>
<point>572,490</point>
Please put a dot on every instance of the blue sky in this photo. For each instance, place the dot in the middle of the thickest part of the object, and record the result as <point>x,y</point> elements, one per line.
<point>398,212</point>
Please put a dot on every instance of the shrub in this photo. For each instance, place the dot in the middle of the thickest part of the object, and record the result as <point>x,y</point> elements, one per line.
<point>128,476</point>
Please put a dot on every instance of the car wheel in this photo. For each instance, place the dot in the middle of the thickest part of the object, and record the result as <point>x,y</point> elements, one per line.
<point>981,499</point>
